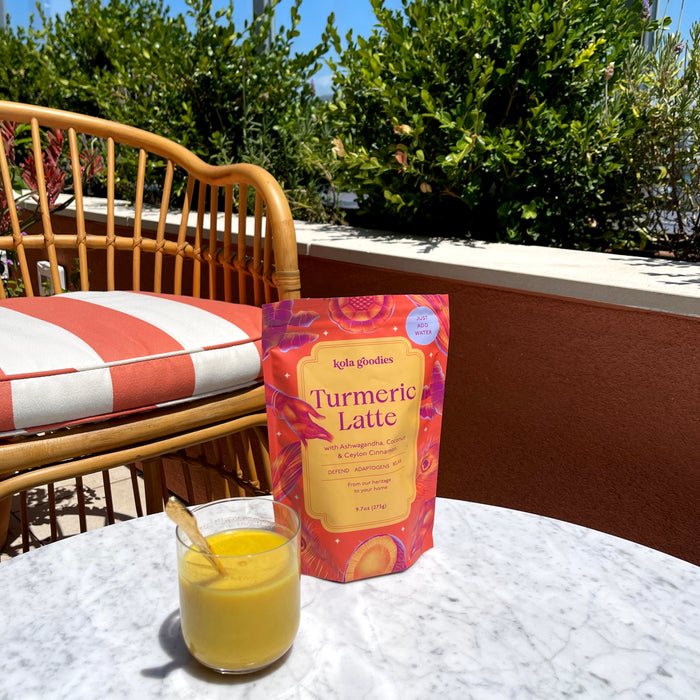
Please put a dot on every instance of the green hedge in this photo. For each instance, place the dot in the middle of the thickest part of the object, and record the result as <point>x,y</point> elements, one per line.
<point>205,83</point>
<point>488,119</point>
<point>524,121</point>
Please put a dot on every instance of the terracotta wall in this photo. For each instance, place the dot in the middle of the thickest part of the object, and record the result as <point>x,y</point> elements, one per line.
<point>580,411</point>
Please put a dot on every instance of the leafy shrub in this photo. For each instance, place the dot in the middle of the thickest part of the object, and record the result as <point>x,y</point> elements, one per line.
<point>661,90</point>
<point>521,121</point>
<point>202,83</point>
<point>489,119</point>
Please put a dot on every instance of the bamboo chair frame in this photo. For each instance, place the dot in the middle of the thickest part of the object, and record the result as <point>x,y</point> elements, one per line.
<point>218,262</point>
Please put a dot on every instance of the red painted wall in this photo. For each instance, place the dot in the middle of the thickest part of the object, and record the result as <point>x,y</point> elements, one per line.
<point>576,410</point>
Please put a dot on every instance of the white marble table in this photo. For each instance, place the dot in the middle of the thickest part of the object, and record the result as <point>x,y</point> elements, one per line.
<point>507,605</point>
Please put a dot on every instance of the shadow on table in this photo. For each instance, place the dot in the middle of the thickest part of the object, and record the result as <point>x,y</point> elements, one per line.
<point>170,638</point>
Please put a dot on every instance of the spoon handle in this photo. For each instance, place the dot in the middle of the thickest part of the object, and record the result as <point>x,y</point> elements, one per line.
<point>179,514</point>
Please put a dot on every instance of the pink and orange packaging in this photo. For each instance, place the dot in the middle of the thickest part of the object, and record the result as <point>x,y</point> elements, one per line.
<point>355,390</point>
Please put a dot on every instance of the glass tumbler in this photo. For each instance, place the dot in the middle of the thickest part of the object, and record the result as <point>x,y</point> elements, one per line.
<point>242,613</point>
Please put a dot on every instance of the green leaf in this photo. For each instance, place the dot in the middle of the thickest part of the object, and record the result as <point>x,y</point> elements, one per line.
<point>529,211</point>
<point>427,100</point>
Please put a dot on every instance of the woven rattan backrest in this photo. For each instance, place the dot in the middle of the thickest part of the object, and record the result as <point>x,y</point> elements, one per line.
<point>246,256</point>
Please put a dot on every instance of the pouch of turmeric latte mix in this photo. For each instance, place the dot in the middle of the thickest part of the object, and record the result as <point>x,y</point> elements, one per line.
<point>354,390</point>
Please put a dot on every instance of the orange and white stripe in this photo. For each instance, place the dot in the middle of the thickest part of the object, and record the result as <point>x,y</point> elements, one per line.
<point>86,355</point>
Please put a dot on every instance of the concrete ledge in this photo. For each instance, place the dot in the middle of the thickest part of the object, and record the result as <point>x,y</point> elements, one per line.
<point>646,283</point>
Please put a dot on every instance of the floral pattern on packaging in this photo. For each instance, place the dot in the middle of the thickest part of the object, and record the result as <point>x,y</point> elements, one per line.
<point>355,389</point>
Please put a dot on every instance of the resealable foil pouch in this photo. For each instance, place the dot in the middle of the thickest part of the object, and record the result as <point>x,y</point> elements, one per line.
<point>354,388</point>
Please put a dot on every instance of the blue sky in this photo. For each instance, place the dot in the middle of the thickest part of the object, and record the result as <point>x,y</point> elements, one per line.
<point>349,14</point>
<point>355,14</point>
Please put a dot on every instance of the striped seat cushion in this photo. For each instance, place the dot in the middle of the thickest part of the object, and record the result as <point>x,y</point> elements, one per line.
<point>90,355</point>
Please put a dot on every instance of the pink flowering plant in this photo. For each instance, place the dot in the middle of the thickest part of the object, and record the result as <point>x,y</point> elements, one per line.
<point>22,166</point>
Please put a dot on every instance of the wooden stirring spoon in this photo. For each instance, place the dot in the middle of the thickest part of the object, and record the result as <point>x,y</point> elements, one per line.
<point>175,509</point>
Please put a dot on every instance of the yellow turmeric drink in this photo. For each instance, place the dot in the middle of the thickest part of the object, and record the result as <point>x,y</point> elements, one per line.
<point>244,617</point>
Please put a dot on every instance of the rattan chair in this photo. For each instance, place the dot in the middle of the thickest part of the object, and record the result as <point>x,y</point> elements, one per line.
<point>243,257</point>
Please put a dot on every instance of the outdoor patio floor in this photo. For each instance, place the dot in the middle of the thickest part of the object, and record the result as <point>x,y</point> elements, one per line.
<point>67,509</point>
